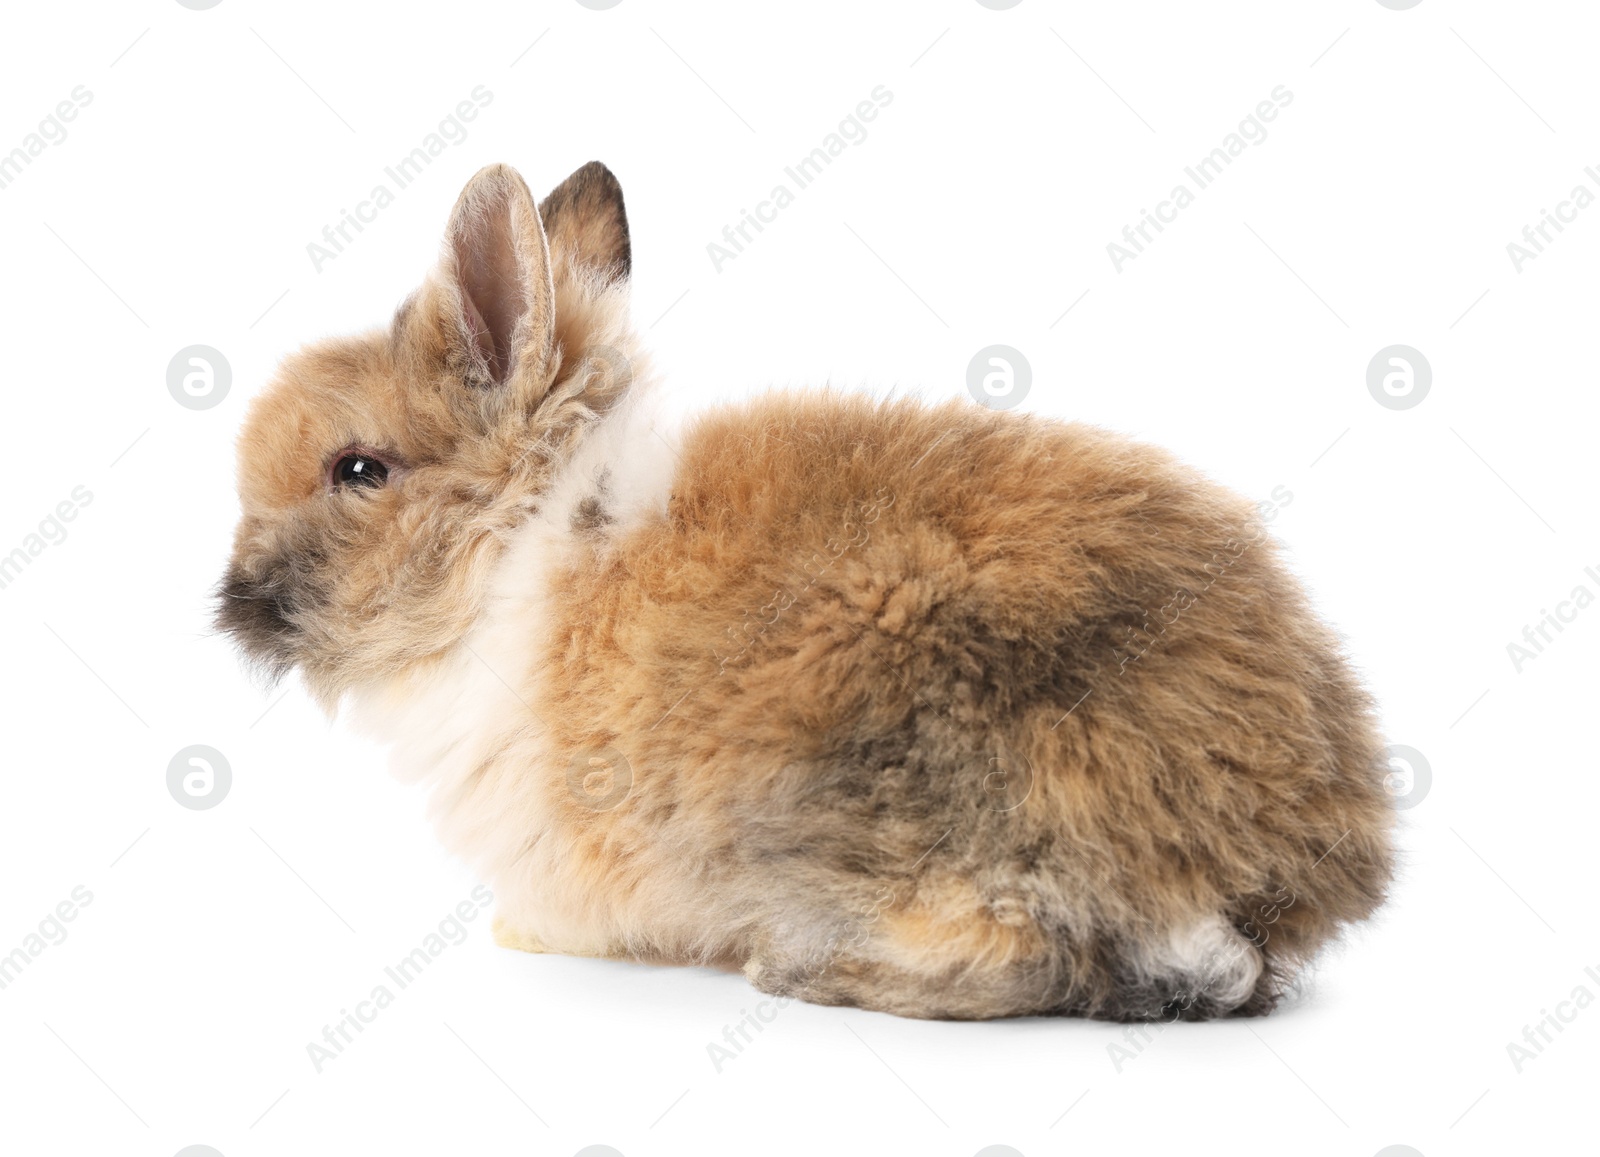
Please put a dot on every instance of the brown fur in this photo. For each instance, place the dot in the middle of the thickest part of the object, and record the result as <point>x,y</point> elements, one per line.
<point>935,710</point>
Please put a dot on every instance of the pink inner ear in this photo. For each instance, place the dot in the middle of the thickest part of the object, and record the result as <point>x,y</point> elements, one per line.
<point>493,296</point>
<point>479,330</point>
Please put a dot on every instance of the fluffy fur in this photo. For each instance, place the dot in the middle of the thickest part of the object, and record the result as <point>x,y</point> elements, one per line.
<point>928,709</point>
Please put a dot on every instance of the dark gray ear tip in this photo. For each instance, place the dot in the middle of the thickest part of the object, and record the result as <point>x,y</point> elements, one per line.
<point>597,171</point>
<point>591,187</point>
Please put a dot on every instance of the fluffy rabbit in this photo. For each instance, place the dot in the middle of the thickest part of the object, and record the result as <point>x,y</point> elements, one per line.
<point>924,708</point>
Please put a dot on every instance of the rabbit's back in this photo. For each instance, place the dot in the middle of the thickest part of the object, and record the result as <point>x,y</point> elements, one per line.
<point>961,713</point>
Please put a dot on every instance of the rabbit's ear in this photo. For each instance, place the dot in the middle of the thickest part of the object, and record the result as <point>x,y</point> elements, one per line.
<point>499,298</point>
<point>587,224</point>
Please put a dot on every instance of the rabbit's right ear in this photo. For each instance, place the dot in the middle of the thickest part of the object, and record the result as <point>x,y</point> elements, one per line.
<point>498,299</point>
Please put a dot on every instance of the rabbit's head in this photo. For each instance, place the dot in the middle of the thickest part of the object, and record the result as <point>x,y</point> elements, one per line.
<point>379,475</point>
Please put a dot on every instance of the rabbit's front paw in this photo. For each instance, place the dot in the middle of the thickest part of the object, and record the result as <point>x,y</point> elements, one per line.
<point>509,937</point>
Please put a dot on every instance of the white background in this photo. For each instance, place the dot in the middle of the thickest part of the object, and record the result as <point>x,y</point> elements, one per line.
<point>1018,145</point>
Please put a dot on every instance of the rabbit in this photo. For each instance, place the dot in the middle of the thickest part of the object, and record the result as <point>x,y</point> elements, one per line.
<point>933,709</point>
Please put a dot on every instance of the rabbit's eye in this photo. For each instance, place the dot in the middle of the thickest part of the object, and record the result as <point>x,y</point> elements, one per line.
<point>359,470</point>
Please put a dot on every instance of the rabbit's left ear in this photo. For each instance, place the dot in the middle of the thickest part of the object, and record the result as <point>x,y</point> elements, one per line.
<point>499,299</point>
<point>588,226</point>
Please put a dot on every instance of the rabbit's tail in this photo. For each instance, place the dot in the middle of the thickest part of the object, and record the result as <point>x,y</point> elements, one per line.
<point>1197,971</point>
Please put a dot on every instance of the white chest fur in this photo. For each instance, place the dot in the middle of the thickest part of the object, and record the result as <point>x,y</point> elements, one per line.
<point>447,720</point>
